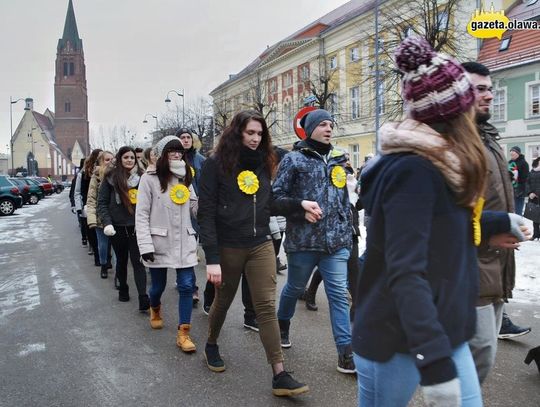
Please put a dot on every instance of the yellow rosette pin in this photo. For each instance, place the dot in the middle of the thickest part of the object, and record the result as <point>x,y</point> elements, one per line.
<point>476,215</point>
<point>179,194</point>
<point>132,194</point>
<point>248,182</point>
<point>192,172</point>
<point>339,177</point>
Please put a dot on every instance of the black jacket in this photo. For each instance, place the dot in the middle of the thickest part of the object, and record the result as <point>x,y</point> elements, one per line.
<point>110,211</point>
<point>227,216</point>
<point>522,174</point>
<point>533,184</point>
<point>418,288</point>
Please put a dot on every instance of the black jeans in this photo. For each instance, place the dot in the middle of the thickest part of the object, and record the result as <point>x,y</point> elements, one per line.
<point>125,246</point>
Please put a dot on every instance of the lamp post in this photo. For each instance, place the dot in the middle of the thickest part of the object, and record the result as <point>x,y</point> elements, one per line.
<point>11,103</point>
<point>180,94</point>
<point>154,116</point>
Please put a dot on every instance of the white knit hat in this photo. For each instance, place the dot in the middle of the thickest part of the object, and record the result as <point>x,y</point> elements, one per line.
<point>167,142</point>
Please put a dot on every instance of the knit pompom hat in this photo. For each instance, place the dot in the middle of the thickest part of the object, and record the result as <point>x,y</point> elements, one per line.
<point>435,86</point>
<point>167,142</point>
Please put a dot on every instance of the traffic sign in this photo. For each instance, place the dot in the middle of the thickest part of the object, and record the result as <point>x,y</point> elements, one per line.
<point>301,113</point>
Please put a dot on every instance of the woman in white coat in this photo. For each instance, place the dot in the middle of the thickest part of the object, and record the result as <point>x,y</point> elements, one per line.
<point>165,235</point>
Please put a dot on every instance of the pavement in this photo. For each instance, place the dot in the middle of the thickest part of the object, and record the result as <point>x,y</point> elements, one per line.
<point>66,340</point>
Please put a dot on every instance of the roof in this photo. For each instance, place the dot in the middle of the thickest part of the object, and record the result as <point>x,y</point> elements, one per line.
<point>71,33</point>
<point>46,125</point>
<point>312,30</point>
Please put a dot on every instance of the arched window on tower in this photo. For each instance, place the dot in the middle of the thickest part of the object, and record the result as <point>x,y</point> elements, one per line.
<point>69,68</point>
<point>67,106</point>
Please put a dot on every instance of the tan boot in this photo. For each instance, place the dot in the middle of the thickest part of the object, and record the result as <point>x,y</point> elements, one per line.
<point>183,339</point>
<point>155,317</point>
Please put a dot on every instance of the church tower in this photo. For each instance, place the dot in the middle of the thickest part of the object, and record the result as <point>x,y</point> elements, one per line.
<point>70,96</point>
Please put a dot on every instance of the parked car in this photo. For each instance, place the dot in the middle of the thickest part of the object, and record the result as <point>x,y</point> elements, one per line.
<point>10,196</point>
<point>58,186</point>
<point>36,191</point>
<point>47,186</point>
<point>24,189</point>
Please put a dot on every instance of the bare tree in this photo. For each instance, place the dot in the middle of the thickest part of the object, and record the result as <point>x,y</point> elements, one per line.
<point>222,113</point>
<point>258,98</point>
<point>323,82</point>
<point>113,138</point>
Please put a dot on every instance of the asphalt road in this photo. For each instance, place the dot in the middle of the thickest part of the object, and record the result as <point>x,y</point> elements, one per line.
<point>65,340</point>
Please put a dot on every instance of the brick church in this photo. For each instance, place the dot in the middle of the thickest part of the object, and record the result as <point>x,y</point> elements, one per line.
<point>54,142</point>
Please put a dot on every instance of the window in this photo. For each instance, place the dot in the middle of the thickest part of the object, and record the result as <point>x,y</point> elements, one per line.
<point>304,73</point>
<point>505,43</point>
<point>535,100</point>
<point>273,86</point>
<point>287,80</point>
<point>355,54</point>
<point>354,151</point>
<point>333,62</point>
<point>499,105</point>
<point>442,20</point>
<point>67,107</point>
<point>355,102</point>
<point>288,116</point>
<point>333,104</point>
<point>407,32</point>
<point>69,68</point>
<point>271,118</point>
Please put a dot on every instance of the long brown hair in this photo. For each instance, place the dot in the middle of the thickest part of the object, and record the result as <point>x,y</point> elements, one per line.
<point>90,162</point>
<point>230,143</point>
<point>164,173</point>
<point>462,135</point>
<point>119,176</point>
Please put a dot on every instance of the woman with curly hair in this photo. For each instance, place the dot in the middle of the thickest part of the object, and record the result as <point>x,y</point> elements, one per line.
<point>116,208</point>
<point>234,217</point>
<point>165,235</point>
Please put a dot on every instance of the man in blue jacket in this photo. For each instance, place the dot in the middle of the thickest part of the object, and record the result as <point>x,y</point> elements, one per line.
<point>310,191</point>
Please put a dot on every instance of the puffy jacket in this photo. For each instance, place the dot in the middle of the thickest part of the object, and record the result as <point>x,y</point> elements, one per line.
<point>91,201</point>
<point>227,216</point>
<point>533,184</point>
<point>110,208</point>
<point>497,266</point>
<point>164,227</point>
<point>304,174</point>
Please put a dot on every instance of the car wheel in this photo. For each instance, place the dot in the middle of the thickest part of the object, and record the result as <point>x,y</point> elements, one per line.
<point>58,190</point>
<point>7,207</point>
<point>33,199</point>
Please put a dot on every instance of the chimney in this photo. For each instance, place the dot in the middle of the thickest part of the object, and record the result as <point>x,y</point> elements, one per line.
<point>29,104</point>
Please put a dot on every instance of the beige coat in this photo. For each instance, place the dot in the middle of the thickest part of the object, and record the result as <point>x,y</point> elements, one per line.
<point>91,201</point>
<point>164,227</point>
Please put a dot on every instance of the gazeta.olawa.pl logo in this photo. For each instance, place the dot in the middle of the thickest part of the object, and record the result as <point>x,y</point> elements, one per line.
<point>493,24</point>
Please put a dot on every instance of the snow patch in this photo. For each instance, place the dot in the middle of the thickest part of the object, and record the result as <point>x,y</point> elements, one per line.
<point>62,288</point>
<point>19,292</point>
<point>31,348</point>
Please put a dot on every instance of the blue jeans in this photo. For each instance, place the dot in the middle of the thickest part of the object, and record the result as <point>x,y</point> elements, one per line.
<point>185,280</point>
<point>519,203</point>
<point>333,269</point>
<point>393,383</point>
<point>103,246</point>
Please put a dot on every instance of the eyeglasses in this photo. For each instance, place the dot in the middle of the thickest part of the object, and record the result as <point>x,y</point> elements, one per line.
<point>483,89</point>
<point>173,152</point>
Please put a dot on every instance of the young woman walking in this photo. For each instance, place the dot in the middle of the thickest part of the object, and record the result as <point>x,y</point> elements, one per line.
<point>116,208</point>
<point>165,235</point>
<point>234,217</point>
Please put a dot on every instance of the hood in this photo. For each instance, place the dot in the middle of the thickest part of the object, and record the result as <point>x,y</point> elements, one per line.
<point>336,154</point>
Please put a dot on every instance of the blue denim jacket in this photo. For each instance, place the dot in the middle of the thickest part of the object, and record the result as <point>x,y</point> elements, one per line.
<point>304,174</point>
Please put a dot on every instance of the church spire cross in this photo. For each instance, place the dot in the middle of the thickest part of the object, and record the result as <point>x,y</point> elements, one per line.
<point>71,33</point>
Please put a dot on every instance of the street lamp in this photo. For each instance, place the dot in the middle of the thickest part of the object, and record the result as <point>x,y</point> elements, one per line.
<point>154,116</point>
<point>11,103</point>
<point>180,94</point>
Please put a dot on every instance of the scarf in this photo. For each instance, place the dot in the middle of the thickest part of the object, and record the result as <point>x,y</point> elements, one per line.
<point>411,136</point>
<point>132,182</point>
<point>321,148</point>
<point>250,159</point>
<point>178,168</point>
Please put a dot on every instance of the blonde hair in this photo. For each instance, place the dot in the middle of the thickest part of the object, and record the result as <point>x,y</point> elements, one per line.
<point>101,161</point>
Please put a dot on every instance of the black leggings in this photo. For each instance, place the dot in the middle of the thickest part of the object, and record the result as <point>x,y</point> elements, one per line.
<point>125,247</point>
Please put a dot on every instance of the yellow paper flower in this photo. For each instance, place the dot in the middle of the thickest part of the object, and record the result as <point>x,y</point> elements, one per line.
<point>476,215</point>
<point>132,194</point>
<point>192,171</point>
<point>179,194</point>
<point>248,182</point>
<point>339,177</point>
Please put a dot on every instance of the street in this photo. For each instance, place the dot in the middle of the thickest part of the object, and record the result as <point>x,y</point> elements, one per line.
<point>66,340</point>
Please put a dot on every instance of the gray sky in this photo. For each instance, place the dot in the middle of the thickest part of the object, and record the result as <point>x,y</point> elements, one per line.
<point>137,50</point>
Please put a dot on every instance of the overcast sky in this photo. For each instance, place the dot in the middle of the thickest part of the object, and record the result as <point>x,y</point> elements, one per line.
<point>138,50</point>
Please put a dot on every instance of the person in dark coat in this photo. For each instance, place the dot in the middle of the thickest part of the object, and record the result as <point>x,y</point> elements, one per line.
<point>532,189</point>
<point>519,168</point>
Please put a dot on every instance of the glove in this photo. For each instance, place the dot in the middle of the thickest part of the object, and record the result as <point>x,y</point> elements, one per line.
<point>109,230</point>
<point>351,188</point>
<point>148,257</point>
<point>516,222</point>
<point>447,394</point>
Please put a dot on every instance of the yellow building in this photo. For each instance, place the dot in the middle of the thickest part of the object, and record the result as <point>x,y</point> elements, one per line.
<point>332,63</point>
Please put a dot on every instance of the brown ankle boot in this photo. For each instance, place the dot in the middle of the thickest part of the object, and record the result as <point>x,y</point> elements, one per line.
<point>183,340</point>
<point>155,317</point>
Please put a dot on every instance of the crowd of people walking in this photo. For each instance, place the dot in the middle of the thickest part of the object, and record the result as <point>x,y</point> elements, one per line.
<point>422,306</point>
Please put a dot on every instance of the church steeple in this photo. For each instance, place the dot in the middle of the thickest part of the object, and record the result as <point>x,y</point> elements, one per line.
<point>71,34</point>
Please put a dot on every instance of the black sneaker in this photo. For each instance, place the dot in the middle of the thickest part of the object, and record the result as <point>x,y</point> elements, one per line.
<point>213,358</point>
<point>123,296</point>
<point>206,309</point>
<point>283,384</point>
<point>346,364</point>
<point>509,330</point>
<point>251,323</point>
<point>84,243</point>
<point>284,333</point>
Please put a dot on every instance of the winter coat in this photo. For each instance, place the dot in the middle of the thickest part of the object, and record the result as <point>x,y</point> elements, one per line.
<point>496,266</point>
<point>304,174</point>
<point>91,201</point>
<point>419,284</point>
<point>533,185</point>
<point>227,216</point>
<point>72,191</point>
<point>196,160</point>
<point>110,208</point>
<point>164,227</point>
<point>522,167</point>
